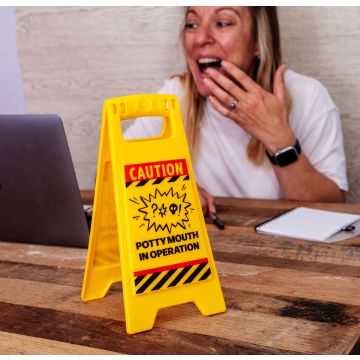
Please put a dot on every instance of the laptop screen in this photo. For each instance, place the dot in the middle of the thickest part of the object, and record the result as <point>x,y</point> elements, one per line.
<point>39,195</point>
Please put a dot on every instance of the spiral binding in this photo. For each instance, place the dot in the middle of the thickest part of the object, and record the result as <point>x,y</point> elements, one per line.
<point>258,226</point>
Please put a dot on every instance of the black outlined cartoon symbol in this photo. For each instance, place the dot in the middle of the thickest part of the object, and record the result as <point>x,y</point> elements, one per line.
<point>154,208</point>
<point>173,208</point>
<point>163,210</point>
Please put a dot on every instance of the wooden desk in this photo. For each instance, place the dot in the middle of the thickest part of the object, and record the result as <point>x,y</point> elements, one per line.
<point>282,296</point>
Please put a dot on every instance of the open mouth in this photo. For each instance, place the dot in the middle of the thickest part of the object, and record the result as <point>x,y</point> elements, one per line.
<point>205,63</point>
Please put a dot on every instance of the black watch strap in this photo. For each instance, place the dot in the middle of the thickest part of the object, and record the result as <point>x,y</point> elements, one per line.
<point>286,156</point>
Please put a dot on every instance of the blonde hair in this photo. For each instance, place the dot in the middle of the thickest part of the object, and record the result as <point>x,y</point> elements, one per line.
<point>267,34</point>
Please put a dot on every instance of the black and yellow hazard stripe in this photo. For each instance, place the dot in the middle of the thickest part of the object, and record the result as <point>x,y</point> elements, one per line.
<point>171,276</point>
<point>157,181</point>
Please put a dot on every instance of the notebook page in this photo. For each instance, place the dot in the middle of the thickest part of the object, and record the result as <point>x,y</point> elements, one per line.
<point>344,235</point>
<point>308,224</point>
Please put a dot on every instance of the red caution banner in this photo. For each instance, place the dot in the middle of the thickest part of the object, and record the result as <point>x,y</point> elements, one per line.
<point>155,170</point>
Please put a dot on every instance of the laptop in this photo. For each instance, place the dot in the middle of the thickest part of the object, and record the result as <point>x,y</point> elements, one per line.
<point>39,196</point>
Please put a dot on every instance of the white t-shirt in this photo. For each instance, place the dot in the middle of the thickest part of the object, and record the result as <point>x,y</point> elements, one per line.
<point>222,166</point>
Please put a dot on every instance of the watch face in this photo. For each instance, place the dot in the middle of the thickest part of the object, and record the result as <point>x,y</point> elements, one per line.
<point>287,156</point>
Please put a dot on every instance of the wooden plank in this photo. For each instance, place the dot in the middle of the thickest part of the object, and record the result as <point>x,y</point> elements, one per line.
<point>270,280</point>
<point>294,307</point>
<point>248,258</point>
<point>240,250</point>
<point>309,285</point>
<point>95,332</point>
<point>41,273</point>
<point>68,257</point>
<point>15,344</point>
<point>251,249</point>
<point>225,245</point>
<point>263,329</point>
<point>282,333</point>
<point>286,248</point>
<point>87,196</point>
<point>73,278</point>
<point>283,296</point>
<point>240,299</point>
<point>249,216</point>
<point>237,205</point>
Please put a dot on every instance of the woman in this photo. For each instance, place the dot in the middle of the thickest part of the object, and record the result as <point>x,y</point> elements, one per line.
<point>254,128</point>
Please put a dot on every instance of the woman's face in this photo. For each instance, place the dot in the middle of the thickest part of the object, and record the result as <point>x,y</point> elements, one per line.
<point>215,33</point>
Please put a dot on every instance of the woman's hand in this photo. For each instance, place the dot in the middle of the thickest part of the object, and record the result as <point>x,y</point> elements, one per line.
<point>260,113</point>
<point>207,201</point>
<point>264,116</point>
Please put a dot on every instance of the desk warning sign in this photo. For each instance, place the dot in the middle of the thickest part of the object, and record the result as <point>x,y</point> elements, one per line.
<point>165,226</point>
<point>148,229</point>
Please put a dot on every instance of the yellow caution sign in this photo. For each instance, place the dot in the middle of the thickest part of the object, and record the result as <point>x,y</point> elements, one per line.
<point>148,228</point>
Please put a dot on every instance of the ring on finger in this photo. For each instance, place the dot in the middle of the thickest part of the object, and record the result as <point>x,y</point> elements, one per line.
<point>234,104</point>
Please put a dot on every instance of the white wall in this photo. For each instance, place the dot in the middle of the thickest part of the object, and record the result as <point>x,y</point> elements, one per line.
<point>12,99</point>
<point>324,42</point>
<point>74,58</point>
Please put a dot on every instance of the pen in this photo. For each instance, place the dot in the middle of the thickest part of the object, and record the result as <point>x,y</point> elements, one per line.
<point>216,221</point>
<point>348,228</point>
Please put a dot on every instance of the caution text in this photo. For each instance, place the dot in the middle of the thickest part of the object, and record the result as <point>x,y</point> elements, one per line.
<point>154,170</point>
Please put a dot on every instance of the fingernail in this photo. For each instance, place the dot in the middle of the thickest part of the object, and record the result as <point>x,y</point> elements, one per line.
<point>206,81</point>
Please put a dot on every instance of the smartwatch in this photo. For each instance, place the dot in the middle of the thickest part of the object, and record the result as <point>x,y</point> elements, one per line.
<point>285,156</point>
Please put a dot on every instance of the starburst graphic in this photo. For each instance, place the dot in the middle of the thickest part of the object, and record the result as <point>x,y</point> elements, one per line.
<point>164,210</point>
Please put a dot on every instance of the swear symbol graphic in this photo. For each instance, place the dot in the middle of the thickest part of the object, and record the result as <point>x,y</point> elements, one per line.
<point>173,208</point>
<point>163,210</point>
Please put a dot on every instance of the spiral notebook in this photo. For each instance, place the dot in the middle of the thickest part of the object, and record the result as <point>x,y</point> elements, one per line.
<point>312,224</point>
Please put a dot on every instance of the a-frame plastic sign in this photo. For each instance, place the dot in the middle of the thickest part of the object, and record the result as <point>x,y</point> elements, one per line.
<point>148,228</point>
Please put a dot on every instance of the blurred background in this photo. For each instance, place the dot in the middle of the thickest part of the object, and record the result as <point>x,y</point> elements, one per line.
<point>68,60</point>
